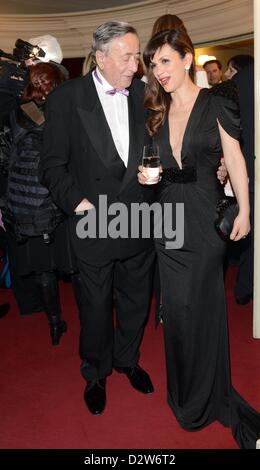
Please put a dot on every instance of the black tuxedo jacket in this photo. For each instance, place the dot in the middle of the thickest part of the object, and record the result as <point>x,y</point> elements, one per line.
<point>79,160</point>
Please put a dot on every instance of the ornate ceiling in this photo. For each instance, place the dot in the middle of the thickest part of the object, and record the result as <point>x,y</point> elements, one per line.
<point>37,7</point>
<point>207,21</point>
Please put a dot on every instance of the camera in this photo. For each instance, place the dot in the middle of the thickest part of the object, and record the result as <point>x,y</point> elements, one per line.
<point>13,70</point>
<point>12,78</point>
<point>24,50</point>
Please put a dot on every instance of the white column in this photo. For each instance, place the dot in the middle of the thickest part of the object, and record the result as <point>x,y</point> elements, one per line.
<point>256,311</point>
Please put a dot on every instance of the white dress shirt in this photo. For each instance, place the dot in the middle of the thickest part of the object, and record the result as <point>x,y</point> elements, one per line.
<point>115,108</point>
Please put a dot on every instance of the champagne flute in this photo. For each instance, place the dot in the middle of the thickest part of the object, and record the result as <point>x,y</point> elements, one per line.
<point>151,163</point>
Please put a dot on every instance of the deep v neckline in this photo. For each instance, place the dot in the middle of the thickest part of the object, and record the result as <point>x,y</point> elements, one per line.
<point>186,130</point>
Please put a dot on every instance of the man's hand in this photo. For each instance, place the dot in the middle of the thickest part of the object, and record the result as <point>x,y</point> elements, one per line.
<point>84,205</point>
<point>222,172</point>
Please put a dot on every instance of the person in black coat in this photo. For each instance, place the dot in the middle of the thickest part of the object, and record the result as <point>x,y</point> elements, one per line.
<point>245,82</point>
<point>10,88</point>
<point>93,142</point>
<point>36,237</point>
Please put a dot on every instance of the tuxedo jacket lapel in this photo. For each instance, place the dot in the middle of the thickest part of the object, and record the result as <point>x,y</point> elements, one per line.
<point>94,122</point>
<point>136,134</point>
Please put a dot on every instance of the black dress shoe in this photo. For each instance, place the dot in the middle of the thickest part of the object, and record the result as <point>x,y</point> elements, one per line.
<point>138,378</point>
<point>95,396</point>
<point>244,300</point>
<point>4,310</point>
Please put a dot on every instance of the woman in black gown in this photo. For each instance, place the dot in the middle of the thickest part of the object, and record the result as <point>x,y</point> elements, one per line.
<point>193,128</point>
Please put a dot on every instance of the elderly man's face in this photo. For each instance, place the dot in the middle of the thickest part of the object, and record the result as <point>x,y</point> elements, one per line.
<point>120,63</point>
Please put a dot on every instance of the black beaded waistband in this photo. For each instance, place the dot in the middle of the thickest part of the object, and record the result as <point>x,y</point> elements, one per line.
<point>177,175</point>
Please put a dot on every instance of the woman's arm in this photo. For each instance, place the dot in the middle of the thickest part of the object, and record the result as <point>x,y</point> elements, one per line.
<point>236,168</point>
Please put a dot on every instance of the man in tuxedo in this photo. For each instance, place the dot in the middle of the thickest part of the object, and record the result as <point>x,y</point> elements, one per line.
<point>93,141</point>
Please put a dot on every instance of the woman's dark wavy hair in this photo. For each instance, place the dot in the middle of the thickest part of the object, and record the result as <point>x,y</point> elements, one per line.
<point>156,99</point>
<point>43,78</point>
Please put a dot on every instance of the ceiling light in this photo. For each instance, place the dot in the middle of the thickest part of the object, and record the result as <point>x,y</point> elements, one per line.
<point>204,58</point>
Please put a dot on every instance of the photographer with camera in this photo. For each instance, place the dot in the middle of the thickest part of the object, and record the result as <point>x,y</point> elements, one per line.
<point>14,70</point>
<point>13,77</point>
<point>37,240</point>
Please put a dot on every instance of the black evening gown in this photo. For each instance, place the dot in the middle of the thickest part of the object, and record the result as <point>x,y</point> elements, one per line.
<point>194,308</point>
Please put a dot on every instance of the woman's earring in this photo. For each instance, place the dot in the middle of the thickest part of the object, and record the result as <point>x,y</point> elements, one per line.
<point>187,67</point>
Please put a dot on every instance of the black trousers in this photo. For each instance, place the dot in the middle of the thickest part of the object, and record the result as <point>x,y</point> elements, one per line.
<point>104,341</point>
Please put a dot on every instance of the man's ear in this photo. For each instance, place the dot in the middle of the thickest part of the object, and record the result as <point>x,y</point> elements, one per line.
<point>100,59</point>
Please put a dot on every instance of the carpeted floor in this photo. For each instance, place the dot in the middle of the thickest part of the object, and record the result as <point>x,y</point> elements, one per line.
<point>41,390</point>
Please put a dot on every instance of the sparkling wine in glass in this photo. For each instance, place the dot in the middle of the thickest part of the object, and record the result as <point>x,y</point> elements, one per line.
<point>151,162</point>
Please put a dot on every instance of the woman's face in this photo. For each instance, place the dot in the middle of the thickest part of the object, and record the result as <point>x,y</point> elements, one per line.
<point>168,68</point>
<point>230,72</point>
<point>43,85</point>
